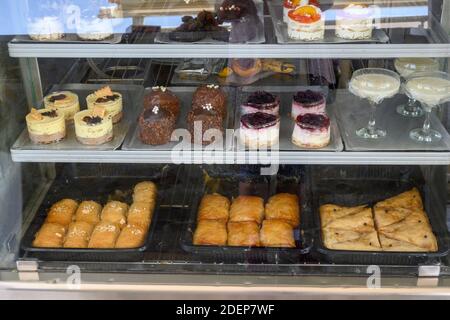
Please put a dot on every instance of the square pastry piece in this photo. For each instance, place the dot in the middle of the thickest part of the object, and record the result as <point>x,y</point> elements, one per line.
<point>284,206</point>
<point>214,207</point>
<point>277,233</point>
<point>247,208</point>
<point>210,233</point>
<point>243,234</point>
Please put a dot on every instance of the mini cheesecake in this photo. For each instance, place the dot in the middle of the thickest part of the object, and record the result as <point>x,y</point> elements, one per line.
<point>259,130</point>
<point>307,102</point>
<point>93,126</point>
<point>46,126</point>
<point>111,101</point>
<point>261,101</point>
<point>64,101</point>
<point>95,29</point>
<point>355,22</point>
<point>311,131</point>
<point>306,23</point>
<point>46,29</point>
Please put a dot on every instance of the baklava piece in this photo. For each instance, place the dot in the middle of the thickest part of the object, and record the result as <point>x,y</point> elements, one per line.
<point>284,206</point>
<point>277,233</point>
<point>247,208</point>
<point>210,233</point>
<point>214,207</point>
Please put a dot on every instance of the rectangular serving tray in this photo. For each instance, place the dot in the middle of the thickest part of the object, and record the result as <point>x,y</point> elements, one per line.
<point>71,38</point>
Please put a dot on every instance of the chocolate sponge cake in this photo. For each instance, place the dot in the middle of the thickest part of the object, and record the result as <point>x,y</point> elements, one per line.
<point>156,125</point>
<point>233,10</point>
<point>163,98</point>
<point>208,118</point>
<point>210,95</point>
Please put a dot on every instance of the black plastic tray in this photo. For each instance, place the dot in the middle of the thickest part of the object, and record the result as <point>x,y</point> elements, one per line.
<point>253,184</point>
<point>369,187</point>
<point>88,186</point>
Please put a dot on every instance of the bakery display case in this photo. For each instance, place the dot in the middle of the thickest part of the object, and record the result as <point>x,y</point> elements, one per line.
<point>245,149</point>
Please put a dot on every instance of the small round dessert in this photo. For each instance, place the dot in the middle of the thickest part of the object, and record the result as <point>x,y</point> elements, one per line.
<point>64,101</point>
<point>111,101</point>
<point>259,130</point>
<point>289,5</point>
<point>306,23</point>
<point>311,131</point>
<point>93,126</point>
<point>211,95</point>
<point>246,68</point>
<point>201,121</point>
<point>156,125</point>
<point>163,98</point>
<point>355,22</point>
<point>46,126</point>
<point>95,29</point>
<point>261,101</point>
<point>234,10</point>
<point>46,29</point>
<point>307,102</point>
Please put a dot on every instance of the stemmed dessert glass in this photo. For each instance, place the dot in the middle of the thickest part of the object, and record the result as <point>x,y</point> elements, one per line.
<point>375,85</point>
<point>430,89</point>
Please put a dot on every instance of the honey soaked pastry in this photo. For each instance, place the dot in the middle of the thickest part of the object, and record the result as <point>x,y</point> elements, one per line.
<point>329,212</point>
<point>51,235</point>
<point>214,207</point>
<point>131,237</point>
<point>361,221</point>
<point>104,236</point>
<point>78,235</point>
<point>367,241</point>
<point>277,233</point>
<point>62,212</point>
<point>88,211</point>
<point>140,214</point>
<point>247,208</point>
<point>410,199</point>
<point>243,234</point>
<point>145,192</point>
<point>210,233</point>
<point>284,206</point>
<point>115,212</point>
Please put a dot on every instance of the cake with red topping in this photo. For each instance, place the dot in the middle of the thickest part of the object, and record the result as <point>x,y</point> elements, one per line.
<point>261,101</point>
<point>307,102</point>
<point>306,23</point>
<point>259,130</point>
<point>311,131</point>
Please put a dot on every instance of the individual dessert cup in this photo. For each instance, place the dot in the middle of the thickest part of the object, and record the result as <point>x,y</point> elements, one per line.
<point>156,126</point>
<point>289,5</point>
<point>308,101</point>
<point>46,126</point>
<point>261,101</point>
<point>259,130</point>
<point>163,98</point>
<point>111,101</point>
<point>431,89</point>
<point>95,29</point>
<point>234,10</point>
<point>406,67</point>
<point>64,101</point>
<point>306,23</point>
<point>211,95</point>
<point>205,124</point>
<point>93,126</point>
<point>46,29</point>
<point>311,131</point>
<point>374,84</point>
<point>355,22</point>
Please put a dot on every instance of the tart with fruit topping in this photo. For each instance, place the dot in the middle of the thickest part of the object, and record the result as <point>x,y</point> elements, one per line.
<point>355,22</point>
<point>289,5</point>
<point>64,101</point>
<point>311,131</point>
<point>259,130</point>
<point>306,23</point>
<point>108,99</point>
<point>307,101</point>
<point>261,101</point>
<point>46,126</point>
<point>93,126</point>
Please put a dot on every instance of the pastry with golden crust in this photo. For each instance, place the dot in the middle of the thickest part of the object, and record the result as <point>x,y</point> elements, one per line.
<point>214,207</point>
<point>243,234</point>
<point>62,212</point>
<point>88,211</point>
<point>145,191</point>
<point>115,212</point>
<point>131,237</point>
<point>283,206</point>
<point>104,236</point>
<point>140,214</point>
<point>210,233</point>
<point>277,233</point>
<point>78,235</point>
<point>247,208</point>
<point>51,235</point>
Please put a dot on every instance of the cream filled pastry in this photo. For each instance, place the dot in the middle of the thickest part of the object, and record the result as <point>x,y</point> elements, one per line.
<point>46,29</point>
<point>64,101</point>
<point>259,130</point>
<point>108,99</point>
<point>307,102</point>
<point>93,126</point>
<point>355,22</point>
<point>311,131</point>
<point>306,23</point>
<point>46,126</point>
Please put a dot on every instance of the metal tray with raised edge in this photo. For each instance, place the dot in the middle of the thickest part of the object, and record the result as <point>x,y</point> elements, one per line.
<point>276,11</point>
<point>132,97</point>
<point>364,185</point>
<point>100,185</point>
<point>353,113</point>
<point>286,94</point>
<point>71,38</point>
<point>251,184</point>
<point>184,94</point>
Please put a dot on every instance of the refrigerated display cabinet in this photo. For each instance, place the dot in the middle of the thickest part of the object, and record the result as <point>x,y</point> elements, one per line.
<point>141,54</point>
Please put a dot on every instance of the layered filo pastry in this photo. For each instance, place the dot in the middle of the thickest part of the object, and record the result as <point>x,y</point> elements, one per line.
<point>140,214</point>
<point>210,233</point>
<point>243,234</point>
<point>115,212</point>
<point>104,236</point>
<point>131,236</point>
<point>51,235</point>
<point>145,191</point>
<point>283,206</point>
<point>277,233</point>
<point>214,207</point>
<point>88,211</point>
<point>62,212</point>
<point>78,235</point>
<point>247,208</point>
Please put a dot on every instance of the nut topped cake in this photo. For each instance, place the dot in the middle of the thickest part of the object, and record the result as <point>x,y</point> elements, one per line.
<point>207,121</point>
<point>261,101</point>
<point>64,101</point>
<point>111,101</point>
<point>163,98</point>
<point>46,126</point>
<point>312,131</point>
<point>259,130</point>
<point>307,101</point>
<point>210,95</point>
<point>156,125</point>
<point>93,126</point>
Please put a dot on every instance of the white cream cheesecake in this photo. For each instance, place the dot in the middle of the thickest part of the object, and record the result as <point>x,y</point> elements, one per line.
<point>46,29</point>
<point>355,22</point>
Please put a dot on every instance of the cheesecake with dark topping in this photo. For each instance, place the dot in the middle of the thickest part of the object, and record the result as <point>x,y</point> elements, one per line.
<point>94,126</point>
<point>259,130</point>
<point>46,126</point>
<point>261,101</point>
<point>312,131</point>
<point>110,100</point>
<point>65,101</point>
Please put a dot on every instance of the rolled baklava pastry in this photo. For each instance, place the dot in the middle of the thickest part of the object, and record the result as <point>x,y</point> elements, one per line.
<point>88,211</point>
<point>78,235</point>
<point>145,191</point>
<point>104,236</point>
<point>140,214</point>
<point>51,235</point>
<point>115,212</point>
<point>62,212</point>
<point>214,207</point>
<point>131,237</point>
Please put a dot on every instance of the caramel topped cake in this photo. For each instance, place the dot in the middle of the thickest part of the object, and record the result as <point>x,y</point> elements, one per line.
<point>110,100</point>
<point>94,126</point>
<point>46,125</point>
<point>64,101</point>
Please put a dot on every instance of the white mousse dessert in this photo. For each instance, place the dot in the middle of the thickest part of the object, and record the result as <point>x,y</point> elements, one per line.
<point>374,86</point>
<point>429,90</point>
<point>355,22</point>
<point>407,66</point>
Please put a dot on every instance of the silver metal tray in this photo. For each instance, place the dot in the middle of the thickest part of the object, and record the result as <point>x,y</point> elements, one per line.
<point>71,38</point>
<point>132,96</point>
<point>287,123</point>
<point>133,143</point>
<point>353,113</point>
<point>276,11</point>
